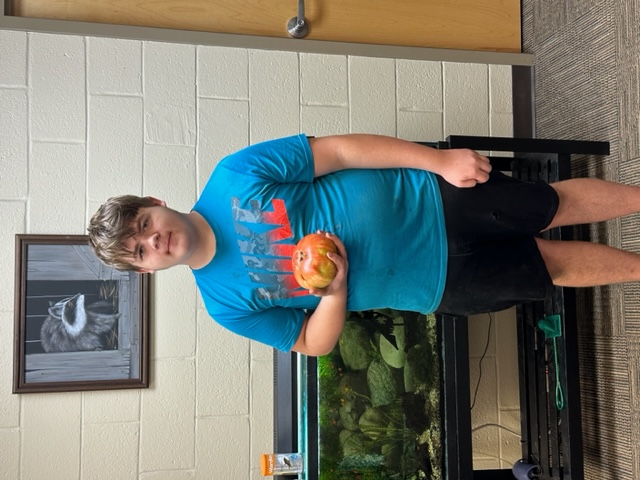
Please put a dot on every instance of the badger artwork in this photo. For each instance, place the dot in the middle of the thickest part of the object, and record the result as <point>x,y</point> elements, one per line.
<point>71,325</point>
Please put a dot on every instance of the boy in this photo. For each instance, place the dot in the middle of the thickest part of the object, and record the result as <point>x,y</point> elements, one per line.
<point>416,229</point>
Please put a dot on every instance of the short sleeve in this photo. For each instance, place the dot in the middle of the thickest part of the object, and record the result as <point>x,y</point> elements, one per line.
<point>284,160</point>
<point>277,327</point>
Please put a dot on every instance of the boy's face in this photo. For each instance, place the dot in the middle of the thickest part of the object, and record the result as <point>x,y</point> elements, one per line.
<point>164,238</point>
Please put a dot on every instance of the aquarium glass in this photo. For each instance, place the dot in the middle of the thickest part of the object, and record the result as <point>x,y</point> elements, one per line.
<point>379,415</point>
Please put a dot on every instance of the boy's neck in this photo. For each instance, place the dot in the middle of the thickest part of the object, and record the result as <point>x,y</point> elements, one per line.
<point>206,248</point>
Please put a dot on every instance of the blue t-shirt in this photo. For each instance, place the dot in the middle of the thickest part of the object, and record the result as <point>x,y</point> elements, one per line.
<point>262,200</point>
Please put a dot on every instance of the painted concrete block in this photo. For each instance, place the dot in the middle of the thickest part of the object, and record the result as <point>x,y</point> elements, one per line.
<point>372,94</point>
<point>169,475</point>
<point>223,72</point>
<point>115,148</point>
<point>170,93</point>
<point>14,144</point>
<point>114,66</point>
<point>466,99</point>
<point>419,85</point>
<point>223,129</point>
<point>420,126</point>
<point>13,46</point>
<point>274,95</point>
<point>323,80</point>
<point>51,452</point>
<point>324,120</point>
<point>170,175</point>
<point>13,221</point>
<point>111,406</point>
<point>222,448</point>
<point>57,87</point>
<point>501,91</point>
<point>9,404</point>
<point>174,323</point>
<point>220,352</point>
<point>57,181</point>
<point>167,430</point>
<point>10,448</point>
<point>119,460</point>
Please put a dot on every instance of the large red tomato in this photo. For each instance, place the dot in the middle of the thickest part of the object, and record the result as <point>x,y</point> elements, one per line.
<point>311,266</point>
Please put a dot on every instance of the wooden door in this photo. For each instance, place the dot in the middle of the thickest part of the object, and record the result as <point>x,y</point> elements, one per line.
<point>489,25</point>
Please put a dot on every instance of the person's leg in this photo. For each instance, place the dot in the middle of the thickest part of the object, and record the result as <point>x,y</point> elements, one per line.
<point>586,264</point>
<point>492,276</point>
<point>590,200</point>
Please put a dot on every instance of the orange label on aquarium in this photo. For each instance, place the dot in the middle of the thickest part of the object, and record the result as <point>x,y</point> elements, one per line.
<point>281,463</point>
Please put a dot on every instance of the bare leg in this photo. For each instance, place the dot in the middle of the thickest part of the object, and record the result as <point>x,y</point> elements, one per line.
<point>586,264</point>
<point>590,200</point>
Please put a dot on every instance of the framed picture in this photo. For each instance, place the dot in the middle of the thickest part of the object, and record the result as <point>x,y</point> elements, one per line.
<point>79,325</point>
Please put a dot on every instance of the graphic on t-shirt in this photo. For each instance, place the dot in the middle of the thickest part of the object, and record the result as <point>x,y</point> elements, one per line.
<point>266,244</point>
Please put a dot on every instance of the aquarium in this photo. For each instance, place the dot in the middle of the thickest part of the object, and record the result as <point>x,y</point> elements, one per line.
<point>378,392</point>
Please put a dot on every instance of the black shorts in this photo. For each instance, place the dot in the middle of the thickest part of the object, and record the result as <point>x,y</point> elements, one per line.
<point>494,261</point>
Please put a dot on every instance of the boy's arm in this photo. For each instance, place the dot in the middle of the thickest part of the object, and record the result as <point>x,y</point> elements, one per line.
<point>321,330</point>
<point>459,167</point>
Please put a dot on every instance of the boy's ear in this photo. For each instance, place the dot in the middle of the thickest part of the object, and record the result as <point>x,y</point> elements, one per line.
<point>157,201</point>
<point>145,270</point>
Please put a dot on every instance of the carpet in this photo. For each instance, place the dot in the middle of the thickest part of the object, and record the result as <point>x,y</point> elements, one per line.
<point>587,87</point>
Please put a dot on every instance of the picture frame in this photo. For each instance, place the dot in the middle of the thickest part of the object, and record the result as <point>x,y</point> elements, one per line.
<point>79,325</point>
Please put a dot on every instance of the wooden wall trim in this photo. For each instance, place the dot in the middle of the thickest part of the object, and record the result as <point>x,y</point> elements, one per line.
<point>8,22</point>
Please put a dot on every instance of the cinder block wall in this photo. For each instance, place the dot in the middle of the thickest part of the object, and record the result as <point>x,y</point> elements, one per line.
<point>85,118</point>
<point>493,366</point>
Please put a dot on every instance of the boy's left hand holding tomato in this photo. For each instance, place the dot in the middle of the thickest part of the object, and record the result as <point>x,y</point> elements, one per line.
<point>339,284</point>
<point>321,330</point>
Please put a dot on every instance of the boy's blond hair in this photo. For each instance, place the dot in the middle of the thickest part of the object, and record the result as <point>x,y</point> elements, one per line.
<point>111,225</point>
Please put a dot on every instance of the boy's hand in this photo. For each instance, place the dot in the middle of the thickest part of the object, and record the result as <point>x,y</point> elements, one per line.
<point>339,283</point>
<point>464,168</point>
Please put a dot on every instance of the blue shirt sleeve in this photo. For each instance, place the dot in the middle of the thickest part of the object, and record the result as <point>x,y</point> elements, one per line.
<point>277,327</point>
<point>284,160</point>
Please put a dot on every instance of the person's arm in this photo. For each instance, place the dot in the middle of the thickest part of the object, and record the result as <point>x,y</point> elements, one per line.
<point>321,330</point>
<point>459,167</point>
